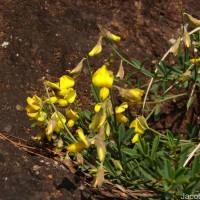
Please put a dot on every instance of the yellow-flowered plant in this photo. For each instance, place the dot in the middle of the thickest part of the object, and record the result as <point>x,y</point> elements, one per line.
<point>116,137</point>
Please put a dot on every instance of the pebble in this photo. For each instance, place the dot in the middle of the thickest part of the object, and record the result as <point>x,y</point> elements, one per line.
<point>5,44</point>
<point>19,107</point>
<point>7,128</point>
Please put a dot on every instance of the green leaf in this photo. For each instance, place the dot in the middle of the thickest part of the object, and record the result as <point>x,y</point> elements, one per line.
<point>95,92</point>
<point>126,136</point>
<point>131,152</point>
<point>147,72</point>
<point>180,172</point>
<point>121,133</point>
<point>87,114</point>
<point>137,64</point>
<point>183,154</point>
<point>182,179</point>
<point>168,170</point>
<point>155,146</point>
<point>142,146</point>
<point>162,68</point>
<point>196,166</point>
<point>146,174</point>
<point>157,112</point>
<point>190,102</point>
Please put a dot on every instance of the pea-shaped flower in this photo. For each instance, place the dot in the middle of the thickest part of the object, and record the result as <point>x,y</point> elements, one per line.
<point>133,95</point>
<point>34,106</point>
<point>103,77</point>
<point>81,145</point>
<point>73,116</point>
<point>139,125</point>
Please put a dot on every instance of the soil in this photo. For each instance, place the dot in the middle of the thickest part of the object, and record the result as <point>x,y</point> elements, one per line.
<point>40,40</point>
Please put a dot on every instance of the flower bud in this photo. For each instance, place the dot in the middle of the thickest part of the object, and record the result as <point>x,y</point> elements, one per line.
<point>97,49</point>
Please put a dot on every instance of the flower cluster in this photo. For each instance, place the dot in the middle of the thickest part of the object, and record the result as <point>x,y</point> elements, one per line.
<point>55,114</point>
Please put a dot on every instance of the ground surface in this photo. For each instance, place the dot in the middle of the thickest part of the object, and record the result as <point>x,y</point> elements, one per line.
<point>43,39</point>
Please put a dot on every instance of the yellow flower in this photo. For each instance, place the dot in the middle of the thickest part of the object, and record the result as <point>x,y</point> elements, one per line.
<point>97,107</point>
<point>103,93</point>
<point>81,135</point>
<point>76,147</point>
<point>111,36</point>
<point>34,106</point>
<point>79,146</point>
<point>73,116</point>
<point>195,61</point>
<point>139,125</point>
<point>69,97</point>
<point>103,77</point>
<point>65,83</point>
<point>119,110</point>
<point>135,138</point>
<point>133,95</point>
<point>120,117</point>
<point>98,120</point>
<point>97,49</point>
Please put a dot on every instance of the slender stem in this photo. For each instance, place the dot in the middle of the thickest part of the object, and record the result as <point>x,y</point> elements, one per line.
<point>96,92</point>
<point>113,108</point>
<point>65,127</point>
<point>156,70</point>
<point>191,155</point>
<point>124,59</point>
<point>158,133</point>
<point>160,101</point>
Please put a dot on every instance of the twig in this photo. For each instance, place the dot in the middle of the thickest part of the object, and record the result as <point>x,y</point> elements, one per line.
<point>191,155</point>
<point>156,70</point>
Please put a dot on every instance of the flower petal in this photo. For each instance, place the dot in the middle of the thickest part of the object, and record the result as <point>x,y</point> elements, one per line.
<point>52,85</point>
<point>76,147</point>
<point>121,118</point>
<point>103,77</point>
<point>81,135</point>
<point>138,127</point>
<point>97,49</point>
<point>121,108</point>
<point>66,82</point>
<point>135,138</point>
<point>71,96</point>
<point>103,93</point>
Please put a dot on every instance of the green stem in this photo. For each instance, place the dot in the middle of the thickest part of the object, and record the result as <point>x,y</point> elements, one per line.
<point>65,127</point>
<point>156,70</point>
<point>161,101</point>
<point>113,108</point>
<point>163,136</point>
<point>95,90</point>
